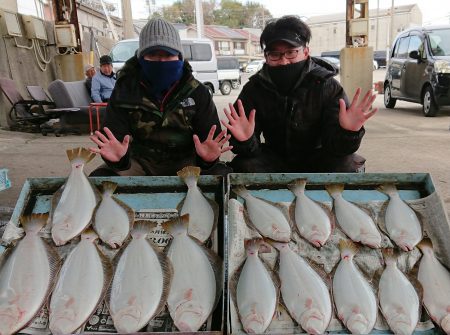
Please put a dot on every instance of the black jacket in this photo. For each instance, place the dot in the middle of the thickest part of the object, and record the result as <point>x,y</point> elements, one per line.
<point>161,131</point>
<point>304,121</point>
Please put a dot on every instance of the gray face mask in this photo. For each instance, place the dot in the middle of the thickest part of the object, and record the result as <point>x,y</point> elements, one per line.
<point>285,76</point>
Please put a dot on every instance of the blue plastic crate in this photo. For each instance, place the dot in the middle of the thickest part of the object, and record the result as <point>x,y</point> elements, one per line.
<point>4,181</point>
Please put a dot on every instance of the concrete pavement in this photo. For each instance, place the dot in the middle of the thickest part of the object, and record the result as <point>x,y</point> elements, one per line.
<point>398,140</point>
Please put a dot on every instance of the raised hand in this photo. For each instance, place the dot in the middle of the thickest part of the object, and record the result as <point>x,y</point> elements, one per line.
<point>241,127</point>
<point>108,146</point>
<point>357,114</point>
<point>211,149</point>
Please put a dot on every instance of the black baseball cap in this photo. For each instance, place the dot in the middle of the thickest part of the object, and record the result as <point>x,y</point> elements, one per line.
<point>287,36</point>
<point>105,59</point>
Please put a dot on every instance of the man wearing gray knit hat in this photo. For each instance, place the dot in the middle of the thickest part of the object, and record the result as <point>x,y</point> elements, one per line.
<point>159,118</point>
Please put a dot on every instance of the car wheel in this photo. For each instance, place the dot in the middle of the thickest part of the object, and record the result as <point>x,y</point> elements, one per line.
<point>225,88</point>
<point>389,101</point>
<point>235,84</point>
<point>429,106</point>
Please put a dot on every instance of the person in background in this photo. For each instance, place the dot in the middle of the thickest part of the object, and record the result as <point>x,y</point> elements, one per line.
<point>303,113</point>
<point>159,118</point>
<point>89,72</point>
<point>103,82</point>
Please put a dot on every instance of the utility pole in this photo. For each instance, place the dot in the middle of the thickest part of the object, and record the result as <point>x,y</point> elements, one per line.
<point>199,18</point>
<point>127,19</point>
<point>391,31</point>
<point>66,12</point>
<point>376,31</point>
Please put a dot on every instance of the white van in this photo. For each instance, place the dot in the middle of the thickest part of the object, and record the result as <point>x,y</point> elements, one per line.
<point>198,52</point>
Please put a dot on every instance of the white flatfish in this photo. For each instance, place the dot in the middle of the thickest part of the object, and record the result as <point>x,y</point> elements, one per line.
<point>112,218</point>
<point>27,276</point>
<point>81,285</point>
<point>196,283</point>
<point>265,217</point>
<point>355,223</point>
<point>255,293</point>
<point>303,291</point>
<point>354,298</point>
<point>399,301</point>
<point>141,282</point>
<point>73,208</point>
<point>435,280</point>
<point>402,223</point>
<point>202,211</point>
<point>312,222</point>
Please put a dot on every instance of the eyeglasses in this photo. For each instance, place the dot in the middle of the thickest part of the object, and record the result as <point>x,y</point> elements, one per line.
<point>277,55</point>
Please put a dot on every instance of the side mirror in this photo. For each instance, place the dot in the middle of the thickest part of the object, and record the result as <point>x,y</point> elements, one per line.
<point>414,54</point>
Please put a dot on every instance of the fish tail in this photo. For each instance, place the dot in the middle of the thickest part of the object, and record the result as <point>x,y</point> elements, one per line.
<point>389,256</point>
<point>142,228</point>
<point>80,153</point>
<point>109,187</point>
<point>89,234</point>
<point>256,245</point>
<point>179,223</point>
<point>34,223</point>
<point>347,248</point>
<point>425,244</point>
<point>388,188</point>
<point>241,191</point>
<point>297,186</point>
<point>277,245</point>
<point>334,189</point>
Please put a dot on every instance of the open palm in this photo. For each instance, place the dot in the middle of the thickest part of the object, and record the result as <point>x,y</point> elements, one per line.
<point>358,113</point>
<point>211,149</point>
<point>241,127</point>
<point>108,146</point>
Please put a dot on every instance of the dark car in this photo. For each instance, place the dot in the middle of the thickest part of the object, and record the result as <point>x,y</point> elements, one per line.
<point>419,69</point>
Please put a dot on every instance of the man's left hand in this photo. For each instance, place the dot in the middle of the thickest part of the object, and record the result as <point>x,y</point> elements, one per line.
<point>212,148</point>
<point>358,113</point>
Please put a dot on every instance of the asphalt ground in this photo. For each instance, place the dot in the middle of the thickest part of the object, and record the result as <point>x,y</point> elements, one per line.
<point>399,140</point>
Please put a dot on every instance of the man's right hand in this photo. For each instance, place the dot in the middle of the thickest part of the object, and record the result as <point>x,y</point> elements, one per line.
<point>239,126</point>
<point>108,146</point>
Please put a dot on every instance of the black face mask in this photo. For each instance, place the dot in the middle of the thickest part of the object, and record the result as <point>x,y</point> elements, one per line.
<point>285,76</point>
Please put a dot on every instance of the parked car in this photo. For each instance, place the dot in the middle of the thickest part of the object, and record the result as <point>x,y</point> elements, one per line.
<point>380,57</point>
<point>198,52</point>
<point>254,65</point>
<point>419,68</point>
<point>335,62</point>
<point>228,73</point>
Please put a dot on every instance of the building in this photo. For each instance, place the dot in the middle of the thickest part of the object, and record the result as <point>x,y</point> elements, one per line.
<point>328,31</point>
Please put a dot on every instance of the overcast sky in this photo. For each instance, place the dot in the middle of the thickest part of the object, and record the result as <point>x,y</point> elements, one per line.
<point>433,11</point>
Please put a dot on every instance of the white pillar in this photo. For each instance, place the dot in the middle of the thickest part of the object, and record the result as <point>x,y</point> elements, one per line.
<point>127,19</point>
<point>10,5</point>
<point>199,18</point>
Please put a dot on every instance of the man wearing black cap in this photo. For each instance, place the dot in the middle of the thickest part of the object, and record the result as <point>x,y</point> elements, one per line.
<point>159,118</point>
<point>104,81</point>
<point>301,110</point>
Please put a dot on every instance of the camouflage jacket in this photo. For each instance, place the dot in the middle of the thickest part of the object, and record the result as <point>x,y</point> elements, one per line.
<point>161,131</point>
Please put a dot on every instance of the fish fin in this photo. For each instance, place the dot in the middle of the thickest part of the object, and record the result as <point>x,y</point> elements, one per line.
<point>232,285</point>
<point>389,255</point>
<point>81,153</point>
<point>109,187</point>
<point>321,272</point>
<point>34,223</point>
<point>177,223</point>
<point>108,272</point>
<point>54,203</point>
<point>297,186</point>
<point>334,189</point>
<point>128,209</point>
<point>180,205</point>
<point>388,188</point>
<point>216,209</point>
<point>189,171</point>
<point>167,269</point>
<point>291,210</point>
<point>216,263</point>
<point>381,217</point>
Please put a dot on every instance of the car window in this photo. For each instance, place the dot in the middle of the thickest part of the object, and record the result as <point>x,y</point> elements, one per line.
<point>414,43</point>
<point>402,51</point>
<point>123,51</point>
<point>227,63</point>
<point>440,42</point>
<point>201,52</point>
